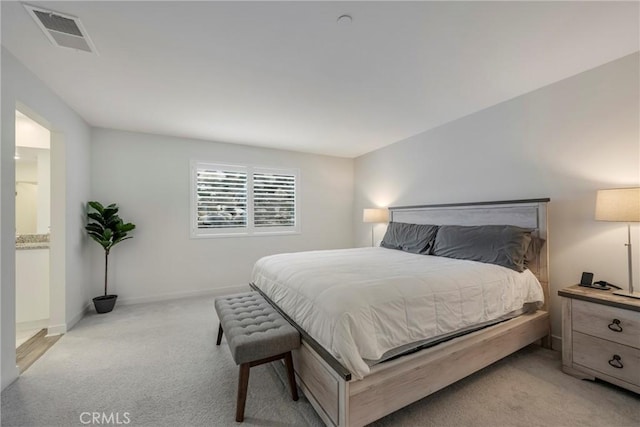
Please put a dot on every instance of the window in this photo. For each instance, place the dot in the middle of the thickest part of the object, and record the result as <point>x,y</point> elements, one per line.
<point>222,198</point>
<point>243,200</point>
<point>274,200</point>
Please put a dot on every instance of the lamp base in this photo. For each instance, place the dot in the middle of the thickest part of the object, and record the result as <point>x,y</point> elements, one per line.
<point>624,293</point>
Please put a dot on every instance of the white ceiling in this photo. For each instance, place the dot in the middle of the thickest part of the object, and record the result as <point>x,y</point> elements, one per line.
<point>286,75</point>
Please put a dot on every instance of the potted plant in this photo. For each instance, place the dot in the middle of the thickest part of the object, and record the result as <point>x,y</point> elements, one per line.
<point>108,229</point>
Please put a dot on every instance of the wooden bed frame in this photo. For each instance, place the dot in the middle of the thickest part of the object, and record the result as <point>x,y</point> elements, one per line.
<point>341,401</point>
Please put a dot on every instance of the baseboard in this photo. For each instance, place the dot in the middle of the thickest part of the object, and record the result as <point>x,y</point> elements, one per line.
<point>75,319</point>
<point>32,324</point>
<point>215,292</point>
<point>63,328</point>
<point>556,343</point>
<point>59,329</point>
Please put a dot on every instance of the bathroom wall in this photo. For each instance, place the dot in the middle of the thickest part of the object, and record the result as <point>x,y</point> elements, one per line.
<point>26,197</point>
<point>33,176</point>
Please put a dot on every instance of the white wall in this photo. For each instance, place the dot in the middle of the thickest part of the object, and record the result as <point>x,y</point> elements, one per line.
<point>563,141</point>
<point>26,208</point>
<point>70,189</point>
<point>148,177</point>
<point>27,171</point>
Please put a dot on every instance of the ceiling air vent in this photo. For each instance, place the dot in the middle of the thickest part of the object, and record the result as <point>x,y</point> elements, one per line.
<point>62,30</point>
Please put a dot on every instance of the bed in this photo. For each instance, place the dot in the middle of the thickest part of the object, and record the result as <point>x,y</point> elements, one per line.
<point>340,301</point>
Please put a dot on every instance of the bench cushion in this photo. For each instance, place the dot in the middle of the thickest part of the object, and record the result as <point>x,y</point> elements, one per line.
<point>254,330</point>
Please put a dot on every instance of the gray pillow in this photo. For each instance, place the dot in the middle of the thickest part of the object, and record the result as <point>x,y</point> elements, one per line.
<point>503,245</point>
<point>414,238</point>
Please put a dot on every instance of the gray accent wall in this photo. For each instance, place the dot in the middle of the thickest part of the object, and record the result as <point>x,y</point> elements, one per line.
<point>563,141</point>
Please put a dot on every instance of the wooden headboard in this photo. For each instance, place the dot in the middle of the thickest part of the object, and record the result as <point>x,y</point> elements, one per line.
<point>530,213</point>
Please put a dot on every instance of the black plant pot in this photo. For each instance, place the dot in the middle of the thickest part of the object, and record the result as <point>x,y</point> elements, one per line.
<point>105,303</point>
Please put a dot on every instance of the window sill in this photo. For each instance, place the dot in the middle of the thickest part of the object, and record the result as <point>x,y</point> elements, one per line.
<point>244,235</point>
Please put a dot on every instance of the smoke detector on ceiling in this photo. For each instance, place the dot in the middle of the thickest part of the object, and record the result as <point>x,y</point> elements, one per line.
<point>344,19</point>
<point>62,30</point>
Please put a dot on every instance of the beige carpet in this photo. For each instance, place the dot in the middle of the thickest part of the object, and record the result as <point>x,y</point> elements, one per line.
<point>159,364</point>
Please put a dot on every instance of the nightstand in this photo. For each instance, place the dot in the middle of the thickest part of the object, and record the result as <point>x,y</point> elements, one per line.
<point>601,336</point>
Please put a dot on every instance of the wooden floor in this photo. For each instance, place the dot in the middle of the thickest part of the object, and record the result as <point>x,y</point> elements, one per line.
<point>33,348</point>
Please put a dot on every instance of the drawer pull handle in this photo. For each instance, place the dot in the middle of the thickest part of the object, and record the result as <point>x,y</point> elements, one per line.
<point>616,362</point>
<point>615,326</point>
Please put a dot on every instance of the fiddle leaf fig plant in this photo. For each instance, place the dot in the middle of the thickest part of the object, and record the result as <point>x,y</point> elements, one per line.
<point>107,228</point>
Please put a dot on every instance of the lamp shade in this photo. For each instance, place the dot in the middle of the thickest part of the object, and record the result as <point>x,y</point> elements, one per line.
<point>618,204</point>
<point>375,215</point>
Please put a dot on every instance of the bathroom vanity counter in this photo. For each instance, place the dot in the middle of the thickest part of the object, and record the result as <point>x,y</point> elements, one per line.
<point>32,241</point>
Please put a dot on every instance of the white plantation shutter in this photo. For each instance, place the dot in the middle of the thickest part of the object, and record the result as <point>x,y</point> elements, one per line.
<point>274,200</point>
<point>221,197</point>
<point>242,200</point>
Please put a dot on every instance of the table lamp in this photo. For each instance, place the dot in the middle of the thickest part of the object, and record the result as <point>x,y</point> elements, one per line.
<point>375,215</point>
<point>621,205</point>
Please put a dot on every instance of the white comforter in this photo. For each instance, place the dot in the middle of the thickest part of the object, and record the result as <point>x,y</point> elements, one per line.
<point>361,303</point>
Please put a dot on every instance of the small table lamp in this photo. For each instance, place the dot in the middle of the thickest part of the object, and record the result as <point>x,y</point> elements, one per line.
<point>621,205</point>
<point>376,215</point>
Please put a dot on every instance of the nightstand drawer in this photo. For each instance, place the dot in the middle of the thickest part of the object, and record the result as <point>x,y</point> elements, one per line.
<point>611,323</point>
<point>616,360</point>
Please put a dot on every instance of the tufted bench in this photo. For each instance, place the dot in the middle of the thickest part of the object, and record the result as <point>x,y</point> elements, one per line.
<point>256,334</point>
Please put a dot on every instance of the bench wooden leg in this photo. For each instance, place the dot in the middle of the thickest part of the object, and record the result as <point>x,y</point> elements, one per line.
<point>219,334</point>
<point>288,361</point>
<point>243,385</point>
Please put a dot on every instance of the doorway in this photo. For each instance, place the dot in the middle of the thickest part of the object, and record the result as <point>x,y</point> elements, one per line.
<point>33,206</point>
